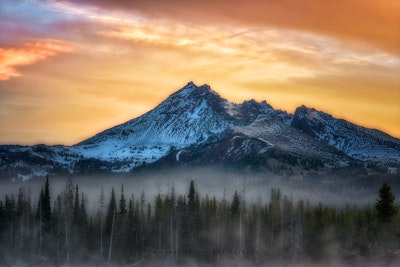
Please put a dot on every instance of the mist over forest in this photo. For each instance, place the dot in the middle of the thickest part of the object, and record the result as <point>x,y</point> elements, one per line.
<point>339,190</point>
<point>199,217</point>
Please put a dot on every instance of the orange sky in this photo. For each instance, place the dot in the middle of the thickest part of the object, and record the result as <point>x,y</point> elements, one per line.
<point>69,69</point>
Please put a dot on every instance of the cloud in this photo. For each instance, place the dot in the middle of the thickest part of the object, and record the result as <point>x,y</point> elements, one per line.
<point>35,19</point>
<point>373,22</point>
<point>29,53</point>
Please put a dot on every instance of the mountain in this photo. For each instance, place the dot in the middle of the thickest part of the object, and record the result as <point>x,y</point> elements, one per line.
<point>197,126</point>
<point>192,115</point>
<point>356,141</point>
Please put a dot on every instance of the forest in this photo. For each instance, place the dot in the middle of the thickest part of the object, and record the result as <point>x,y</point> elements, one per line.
<point>124,229</point>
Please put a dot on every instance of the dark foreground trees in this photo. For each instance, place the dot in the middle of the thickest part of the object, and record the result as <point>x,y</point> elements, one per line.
<point>124,229</point>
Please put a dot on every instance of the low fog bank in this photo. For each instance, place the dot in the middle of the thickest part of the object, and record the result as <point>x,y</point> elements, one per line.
<point>220,183</point>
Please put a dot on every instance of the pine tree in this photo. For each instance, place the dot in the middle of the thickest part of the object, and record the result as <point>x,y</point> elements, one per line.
<point>76,226</point>
<point>172,218</point>
<point>20,218</point>
<point>110,212</point>
<point>275,219</point>
<point>39,216</point>
<point>235,206</point>
<point>192,222</point>
<point>68,210</point>
<point>385,204</point>
<point>110,222</point>
<point>120,232</point>
<point>83,218</point>
<point>158,217</point>
<point>100,214</point>
<point>58,224</point>
<point>46,207</point>
<point>142,221</point>
<point>122,203</point>
<point>131,231</point>
<point>43,215</point>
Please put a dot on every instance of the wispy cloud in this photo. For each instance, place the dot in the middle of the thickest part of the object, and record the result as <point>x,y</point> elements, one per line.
<point>29,53</point>
<point>372,22</point>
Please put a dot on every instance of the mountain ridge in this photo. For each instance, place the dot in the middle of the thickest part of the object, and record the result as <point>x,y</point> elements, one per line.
<point>195,120</point>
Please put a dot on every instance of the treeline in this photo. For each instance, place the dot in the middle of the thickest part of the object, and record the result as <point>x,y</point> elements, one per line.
<point>128,229</point>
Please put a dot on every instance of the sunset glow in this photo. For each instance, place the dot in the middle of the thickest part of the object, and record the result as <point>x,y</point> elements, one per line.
<point>70,69</point>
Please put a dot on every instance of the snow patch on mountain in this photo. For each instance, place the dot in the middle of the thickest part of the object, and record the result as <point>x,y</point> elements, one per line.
<point>356,141</point>
<point>178,155</point>
<point>276,133</point>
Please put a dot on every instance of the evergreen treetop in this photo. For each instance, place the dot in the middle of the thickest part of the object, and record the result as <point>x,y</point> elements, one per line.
<point>385,204</point>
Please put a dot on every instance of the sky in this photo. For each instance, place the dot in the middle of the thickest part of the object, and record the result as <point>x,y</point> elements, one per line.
<point>70,69</point>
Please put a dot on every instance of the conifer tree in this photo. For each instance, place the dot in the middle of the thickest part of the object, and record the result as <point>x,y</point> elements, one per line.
<point>192,197</point>
<point>68,209</point>
<point>131,231</point>
<point>121,236</point>
<point>122,203</point>
<point>275,220</point>
<point>235,206</point>
<point>385,204</point>
<point>110,211</point>
<point>158,217</point>
<point>110,222</point>
<point>83,218</point>
<point>46,207</point>
<point>76,207</point>
<point>192,223</point>
<point>100,214</point>
<point>58,223</point>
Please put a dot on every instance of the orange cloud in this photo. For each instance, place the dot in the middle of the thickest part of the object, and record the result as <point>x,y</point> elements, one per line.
<point>369,21</point>
<point>28,54</point>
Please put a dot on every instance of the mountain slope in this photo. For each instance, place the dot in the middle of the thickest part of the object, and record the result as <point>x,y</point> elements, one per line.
<point>192,115</point>
<point>356,141</point>
<point>196,126</point>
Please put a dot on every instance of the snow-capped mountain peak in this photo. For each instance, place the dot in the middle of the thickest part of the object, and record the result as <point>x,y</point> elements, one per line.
<point>195,120</point>
<point>191,115</point>
<point>191,90</point>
